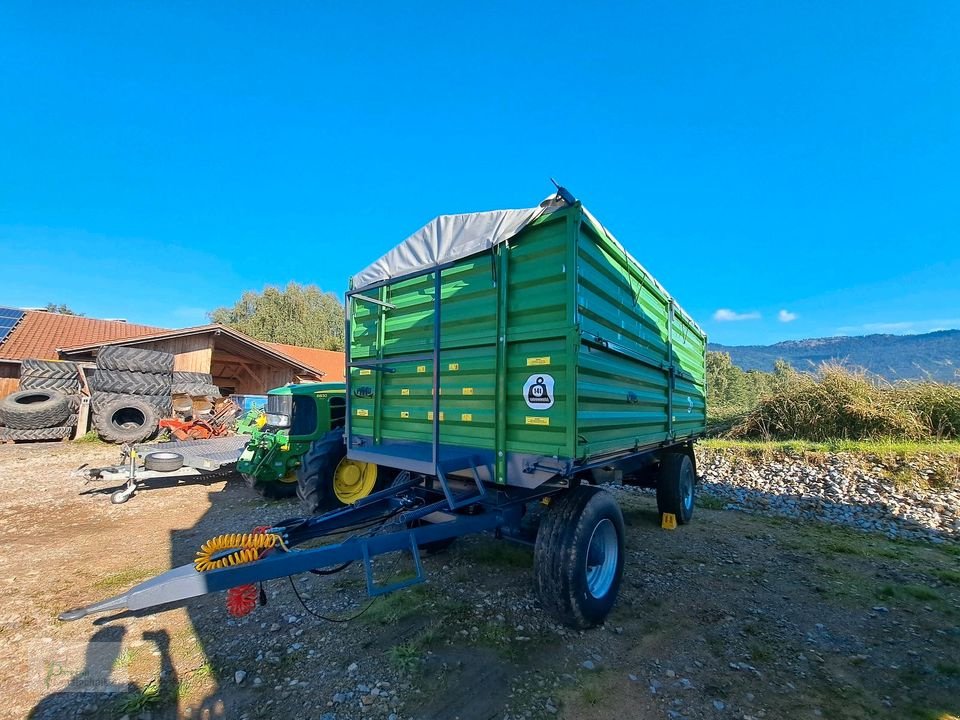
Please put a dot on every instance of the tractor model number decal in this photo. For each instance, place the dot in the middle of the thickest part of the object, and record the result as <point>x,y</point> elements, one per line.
<point>538,391</point>
<point>538,420</point>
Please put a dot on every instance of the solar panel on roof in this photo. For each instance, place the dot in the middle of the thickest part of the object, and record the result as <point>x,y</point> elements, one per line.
<point>9,317</point>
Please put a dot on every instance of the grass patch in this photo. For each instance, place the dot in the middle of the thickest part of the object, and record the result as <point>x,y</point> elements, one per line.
<point>950,669</point>
<point>709,502</point>
<point>499,553</point>
<point>948,577</point>
<point>920,593</point>
<point>124,579</point>
<point>405,657</point>
<point>149,697</point>
<point>901,448</point>
<point>401,604</point>
<point>90,438</point>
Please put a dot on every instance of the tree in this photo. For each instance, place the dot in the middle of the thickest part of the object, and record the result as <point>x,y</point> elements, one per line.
<point>301,315</point>
<point>61,309</point>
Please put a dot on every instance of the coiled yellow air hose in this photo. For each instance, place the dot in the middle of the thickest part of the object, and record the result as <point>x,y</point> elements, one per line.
<point>239,548</point>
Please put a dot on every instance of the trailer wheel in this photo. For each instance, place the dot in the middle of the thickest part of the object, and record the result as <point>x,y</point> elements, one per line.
<point>677,486</point>
<point>280,489</point>
<point>578,558</point>
<point>315,474</point>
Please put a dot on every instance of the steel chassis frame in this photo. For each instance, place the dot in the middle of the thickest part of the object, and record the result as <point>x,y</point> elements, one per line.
<point>410,514</point>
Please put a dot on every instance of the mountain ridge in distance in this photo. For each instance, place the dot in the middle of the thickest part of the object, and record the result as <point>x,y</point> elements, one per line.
<point>933,356</point>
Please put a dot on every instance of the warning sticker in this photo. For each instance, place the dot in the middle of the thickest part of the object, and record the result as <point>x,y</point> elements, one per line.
<point>538,392</point>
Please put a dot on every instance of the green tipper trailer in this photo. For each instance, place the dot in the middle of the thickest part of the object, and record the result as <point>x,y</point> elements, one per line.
<point>554,351</point>
<point>501,367</point>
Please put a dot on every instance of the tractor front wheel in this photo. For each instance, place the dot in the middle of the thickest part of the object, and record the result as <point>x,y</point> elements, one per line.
<point>280,489</point>
<point>316,472</point>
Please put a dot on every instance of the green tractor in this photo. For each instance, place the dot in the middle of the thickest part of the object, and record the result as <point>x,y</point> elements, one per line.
<point>299,450</point>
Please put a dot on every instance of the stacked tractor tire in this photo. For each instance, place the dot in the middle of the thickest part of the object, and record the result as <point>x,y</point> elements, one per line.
<point>45,407</point>
<point>130,392</point>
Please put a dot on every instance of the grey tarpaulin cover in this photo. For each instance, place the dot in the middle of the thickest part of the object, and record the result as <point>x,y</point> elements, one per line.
<point>445,239</point>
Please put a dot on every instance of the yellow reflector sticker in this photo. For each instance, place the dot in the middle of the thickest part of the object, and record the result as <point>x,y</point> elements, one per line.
<point>404,414</point>
<point>421,368</point>
<point>453,367</point>
<point>669,521</point>
<point>362,413</point>
<point>430,415</point>
<point>366,372</point>
<point>404,391</point>
<point>468,391</point>
<point>538,361</point>
<point>538,420</point>
<point>466,417</point>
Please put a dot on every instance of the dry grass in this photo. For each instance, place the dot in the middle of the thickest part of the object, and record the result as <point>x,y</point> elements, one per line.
<point>837,403</point>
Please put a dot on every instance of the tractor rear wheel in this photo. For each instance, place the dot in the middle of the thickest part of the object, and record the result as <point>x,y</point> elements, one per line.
<point>578,556</point>
<point>316,471</point>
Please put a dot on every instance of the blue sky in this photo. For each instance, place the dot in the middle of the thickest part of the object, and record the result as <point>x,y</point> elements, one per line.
<point>157,159</point>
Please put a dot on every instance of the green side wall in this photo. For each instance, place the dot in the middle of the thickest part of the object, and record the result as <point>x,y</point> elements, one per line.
<point>570,305</point>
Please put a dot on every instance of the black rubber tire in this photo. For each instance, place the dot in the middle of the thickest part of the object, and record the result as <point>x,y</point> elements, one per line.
<point>677,476</point>
<point>162,403</point>
<point>114,357</point>
<point>52,433</point>
<point>131,383</point>
<point>315,474</point>
<point>69,385</point>
<point>127,419</point>
<point>560,556</point>
<point>32,409</point>
<point>50,369</point>
<point>271,490</point>
<point>195,389</point>
<point>163,461</point>
<point>182,376</point>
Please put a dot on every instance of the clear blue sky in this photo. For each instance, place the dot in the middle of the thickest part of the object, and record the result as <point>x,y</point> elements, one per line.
<point>157,159</point>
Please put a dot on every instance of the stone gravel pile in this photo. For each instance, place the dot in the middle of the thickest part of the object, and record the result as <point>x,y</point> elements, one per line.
<point>917,499</point>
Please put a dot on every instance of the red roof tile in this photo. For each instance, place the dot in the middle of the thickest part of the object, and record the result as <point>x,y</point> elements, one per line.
<point>329,361</point>
<point>40,334</point>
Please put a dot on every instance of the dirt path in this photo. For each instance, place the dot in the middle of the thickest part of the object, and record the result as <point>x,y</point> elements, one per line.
<point>734,616</point>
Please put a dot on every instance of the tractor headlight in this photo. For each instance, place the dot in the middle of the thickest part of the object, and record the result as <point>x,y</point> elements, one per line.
<point>280,421</point>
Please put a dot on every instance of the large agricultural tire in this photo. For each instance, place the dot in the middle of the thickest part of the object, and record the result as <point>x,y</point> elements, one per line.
<point>676,487</point>
<point>163,461</point>
<point>162,403</point>
<point>113,357</point>
<point>32,409</point>
<point>182,376</point>
<point>315,474</point>
<point>126,382</point>
<point>52,433</point>
<point>127,419</point>
<point>59,369</point>
<point>578,557</point>
<point>195,389</point>
<point>276,490</point>
<point>70,385</point>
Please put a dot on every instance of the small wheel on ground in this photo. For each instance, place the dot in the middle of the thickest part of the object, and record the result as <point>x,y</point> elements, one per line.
<point>163,461</point>
<point>676,488</point>
<point>578,557</point>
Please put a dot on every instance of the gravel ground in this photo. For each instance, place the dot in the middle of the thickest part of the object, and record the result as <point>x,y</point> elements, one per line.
<point>738,615</point>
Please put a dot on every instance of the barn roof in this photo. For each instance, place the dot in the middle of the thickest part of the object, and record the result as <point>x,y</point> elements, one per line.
<point>39,334</point>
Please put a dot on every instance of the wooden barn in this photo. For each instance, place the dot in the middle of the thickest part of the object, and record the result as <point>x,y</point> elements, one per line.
<point>237,362</point>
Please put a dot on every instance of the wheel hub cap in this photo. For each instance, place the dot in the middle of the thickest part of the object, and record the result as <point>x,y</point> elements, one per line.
<point>602,555</point>
<point>354,480</point>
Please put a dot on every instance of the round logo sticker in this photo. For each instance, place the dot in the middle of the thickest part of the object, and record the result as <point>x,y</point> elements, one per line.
<point>538,392</point>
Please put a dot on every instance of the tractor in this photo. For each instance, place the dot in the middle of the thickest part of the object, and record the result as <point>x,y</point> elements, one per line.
<point>297,449</point>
